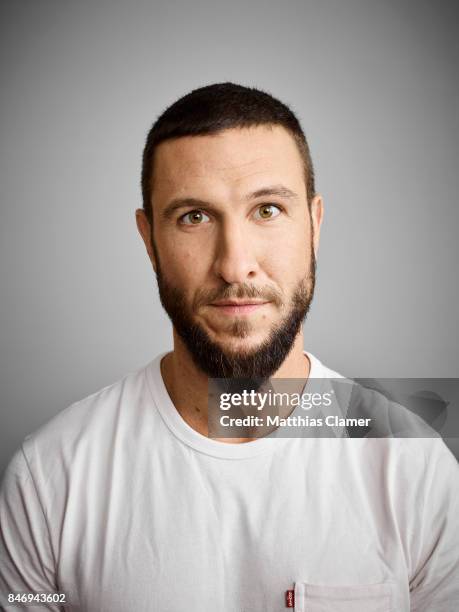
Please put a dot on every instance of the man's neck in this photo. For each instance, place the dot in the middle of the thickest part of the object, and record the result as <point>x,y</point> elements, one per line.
<point>187,385</point>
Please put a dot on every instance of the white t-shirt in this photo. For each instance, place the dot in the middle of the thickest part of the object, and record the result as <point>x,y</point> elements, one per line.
<point>119,505</point>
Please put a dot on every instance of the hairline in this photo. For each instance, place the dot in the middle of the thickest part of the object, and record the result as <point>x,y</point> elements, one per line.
<point>299,140</point>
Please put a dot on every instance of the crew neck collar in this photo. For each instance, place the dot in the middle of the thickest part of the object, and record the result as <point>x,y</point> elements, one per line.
<point>189,436</point>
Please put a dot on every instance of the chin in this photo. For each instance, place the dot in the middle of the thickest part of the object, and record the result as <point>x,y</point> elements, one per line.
<point>240,346</point>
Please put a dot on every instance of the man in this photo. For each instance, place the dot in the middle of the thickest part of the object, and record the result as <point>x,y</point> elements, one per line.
<point>124,501</point>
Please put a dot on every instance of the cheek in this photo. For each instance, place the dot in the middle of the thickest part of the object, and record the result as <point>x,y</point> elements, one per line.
<point>184,266</point>
<point>289,258</point>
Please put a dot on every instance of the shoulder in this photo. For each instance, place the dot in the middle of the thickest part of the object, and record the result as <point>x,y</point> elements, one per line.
<point>88,429</point>
<point>100,406</point>
<point>401,443</point>
<point>318,369</point>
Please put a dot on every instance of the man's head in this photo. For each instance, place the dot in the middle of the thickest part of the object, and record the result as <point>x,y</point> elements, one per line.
<point>230,217</point>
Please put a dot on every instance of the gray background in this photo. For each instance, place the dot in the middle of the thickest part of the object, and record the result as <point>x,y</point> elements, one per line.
<point>375,84</point>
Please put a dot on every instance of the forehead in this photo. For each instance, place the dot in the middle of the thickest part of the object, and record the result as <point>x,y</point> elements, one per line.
<point>228,164</point>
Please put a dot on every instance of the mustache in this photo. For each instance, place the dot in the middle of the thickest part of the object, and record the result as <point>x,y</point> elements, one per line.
<point>240,292</point>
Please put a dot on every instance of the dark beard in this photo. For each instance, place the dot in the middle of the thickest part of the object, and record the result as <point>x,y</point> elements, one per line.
<point>262,361</point>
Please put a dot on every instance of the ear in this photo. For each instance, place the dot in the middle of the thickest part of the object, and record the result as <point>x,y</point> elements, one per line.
<point>317,213</point>
<point>145,230</point>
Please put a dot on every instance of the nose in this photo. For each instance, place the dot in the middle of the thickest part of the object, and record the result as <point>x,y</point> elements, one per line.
<point>235,260</point>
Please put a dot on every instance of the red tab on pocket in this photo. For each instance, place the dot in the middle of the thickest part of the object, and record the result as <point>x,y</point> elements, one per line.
<point>290,598</point>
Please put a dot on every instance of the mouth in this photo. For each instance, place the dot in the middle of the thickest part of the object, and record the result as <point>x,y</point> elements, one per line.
<point>236,307</point>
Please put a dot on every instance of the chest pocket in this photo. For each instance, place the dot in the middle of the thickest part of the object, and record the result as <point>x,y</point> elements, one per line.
<point>361,598</point>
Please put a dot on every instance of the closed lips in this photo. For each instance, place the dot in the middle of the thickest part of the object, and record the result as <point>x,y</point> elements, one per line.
<point>248,303</point>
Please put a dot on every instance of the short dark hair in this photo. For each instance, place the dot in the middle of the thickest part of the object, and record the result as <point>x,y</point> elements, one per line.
<point>212,109</point>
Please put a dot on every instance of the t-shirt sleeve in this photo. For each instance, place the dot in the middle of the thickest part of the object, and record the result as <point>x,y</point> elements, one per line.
<point>435,585</point>
<point>26,558</point>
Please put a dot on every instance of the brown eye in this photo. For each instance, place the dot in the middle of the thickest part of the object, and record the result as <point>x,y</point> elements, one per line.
<point>195,217</point>
<point>267,211</point>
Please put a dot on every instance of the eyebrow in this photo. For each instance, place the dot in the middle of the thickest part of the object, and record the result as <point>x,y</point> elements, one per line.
<point>274,190</point>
